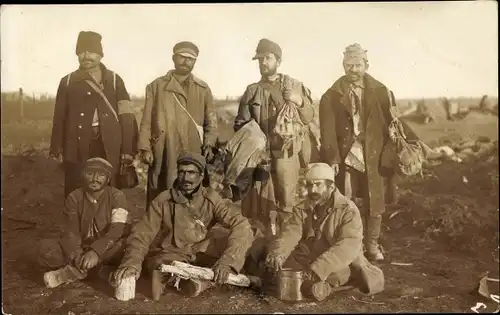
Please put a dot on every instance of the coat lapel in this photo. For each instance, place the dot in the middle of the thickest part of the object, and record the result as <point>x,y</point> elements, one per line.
<point>370,96</point>
<point>174,86</point>
<point>341,87</point>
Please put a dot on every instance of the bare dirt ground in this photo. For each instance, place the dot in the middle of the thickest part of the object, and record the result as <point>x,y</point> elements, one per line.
<point>444,230</point>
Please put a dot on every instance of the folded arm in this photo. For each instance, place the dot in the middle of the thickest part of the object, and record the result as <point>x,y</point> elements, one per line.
<point>345,248</point>
<point>117,227</point>
<point>240,237</point>
<point>143,233</point>
<point>71,241</point>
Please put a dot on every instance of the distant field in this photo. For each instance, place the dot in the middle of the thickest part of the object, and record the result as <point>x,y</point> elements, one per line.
<point>43,110</point>
<point>17,133</point>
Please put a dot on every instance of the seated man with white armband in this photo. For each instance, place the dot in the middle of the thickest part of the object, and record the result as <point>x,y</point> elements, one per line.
<point>96,226</point>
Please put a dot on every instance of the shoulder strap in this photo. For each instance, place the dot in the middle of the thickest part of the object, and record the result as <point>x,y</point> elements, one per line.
<point>98,90</point>
<point>198,127</point>
<point>67,78</point>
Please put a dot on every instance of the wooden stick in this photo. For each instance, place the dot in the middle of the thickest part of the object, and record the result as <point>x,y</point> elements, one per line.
<point>184,270</point>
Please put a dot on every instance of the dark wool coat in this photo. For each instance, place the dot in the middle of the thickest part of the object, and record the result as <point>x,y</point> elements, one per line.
<point>75,104</point>
<point>337,135</point>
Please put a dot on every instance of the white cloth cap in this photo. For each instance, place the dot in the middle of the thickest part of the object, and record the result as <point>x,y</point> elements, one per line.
<point>318,171</point>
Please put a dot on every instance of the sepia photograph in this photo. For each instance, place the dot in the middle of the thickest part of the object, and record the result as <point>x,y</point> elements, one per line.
<point>250,158</point>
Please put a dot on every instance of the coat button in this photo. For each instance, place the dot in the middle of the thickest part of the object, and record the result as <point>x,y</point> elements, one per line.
<point>88,93</point>
<point>80,126</point>
<point>82,114</point>
<point>78,138</point>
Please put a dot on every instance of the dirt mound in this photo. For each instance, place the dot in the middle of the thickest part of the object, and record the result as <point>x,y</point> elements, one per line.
<point>455,204</point>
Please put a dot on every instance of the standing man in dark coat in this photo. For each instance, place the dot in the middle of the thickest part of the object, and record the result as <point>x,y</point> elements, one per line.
<point>354,117</point>
<point>178,116</point>
<point>92,116</point>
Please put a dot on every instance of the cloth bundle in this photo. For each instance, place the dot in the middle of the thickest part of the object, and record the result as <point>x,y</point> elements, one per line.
<point>289,126</point>
<point>247,149</point>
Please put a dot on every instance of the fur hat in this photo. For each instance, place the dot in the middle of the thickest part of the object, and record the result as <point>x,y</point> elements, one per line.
<point>89,41</point>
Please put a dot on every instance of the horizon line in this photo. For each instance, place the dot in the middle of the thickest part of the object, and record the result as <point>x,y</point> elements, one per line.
<point>234,97</point>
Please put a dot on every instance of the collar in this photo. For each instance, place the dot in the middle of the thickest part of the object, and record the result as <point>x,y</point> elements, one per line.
<point>81,74</point>
<point>179,198</point>
<point>91,198</point>
<point>279,78</point>
<point>341,86</point>
<point>188,79</point>
<point>192,78</point>
<point>358,85</point>
<point>336,201</point>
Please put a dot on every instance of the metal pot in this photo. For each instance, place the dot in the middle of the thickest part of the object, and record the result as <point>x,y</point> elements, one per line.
<point>289,285</point>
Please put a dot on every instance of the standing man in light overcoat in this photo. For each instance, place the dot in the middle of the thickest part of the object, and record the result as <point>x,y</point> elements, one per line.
<point>178,116</point>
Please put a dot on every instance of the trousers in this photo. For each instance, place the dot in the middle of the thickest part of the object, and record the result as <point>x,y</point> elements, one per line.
<point>53,256</point>
<point>356,186</point>
<point>205,254</point>
<point>271,201</point>
<point>302,257</point>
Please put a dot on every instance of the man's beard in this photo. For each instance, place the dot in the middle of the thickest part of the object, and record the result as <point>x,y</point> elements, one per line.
<point>353,77</point>
<point>265,71</point>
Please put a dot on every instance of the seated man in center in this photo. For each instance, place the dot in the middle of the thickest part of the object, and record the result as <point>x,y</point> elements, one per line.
<point>178,226</point>
<point>324,239</point>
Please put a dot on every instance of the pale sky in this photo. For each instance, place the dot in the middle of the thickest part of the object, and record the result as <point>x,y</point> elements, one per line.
<point>418,49</point>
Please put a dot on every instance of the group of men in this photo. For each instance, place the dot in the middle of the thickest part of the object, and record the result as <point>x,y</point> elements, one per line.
<point>95,134</point>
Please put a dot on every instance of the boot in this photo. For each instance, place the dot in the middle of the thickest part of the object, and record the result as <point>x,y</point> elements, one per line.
<point>105,272</point>
<point>62,276</point>
<point>157,284</point>
<point>372,247</point>
<point>194,287</point>
<point>321,290</point>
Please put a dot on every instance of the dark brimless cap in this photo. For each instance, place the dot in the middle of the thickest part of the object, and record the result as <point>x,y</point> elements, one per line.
<point>89,41</point>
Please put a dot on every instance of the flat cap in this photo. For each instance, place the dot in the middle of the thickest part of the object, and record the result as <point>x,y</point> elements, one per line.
<point>186,49</point>
<point>355,51</point>
<point>98,164</point>
<point>319,171</point>
<point>266,46</point>
<point>192,158</point>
